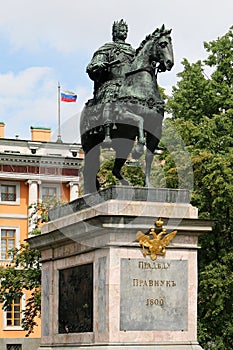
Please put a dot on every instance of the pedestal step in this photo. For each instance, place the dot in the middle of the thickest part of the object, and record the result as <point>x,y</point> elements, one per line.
<point>170,346</point>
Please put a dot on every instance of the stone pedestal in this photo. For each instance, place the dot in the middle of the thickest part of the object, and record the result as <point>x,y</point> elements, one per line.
<point>100,292</point>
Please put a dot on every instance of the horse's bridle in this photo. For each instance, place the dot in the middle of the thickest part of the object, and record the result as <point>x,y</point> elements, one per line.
<point>153,69</point>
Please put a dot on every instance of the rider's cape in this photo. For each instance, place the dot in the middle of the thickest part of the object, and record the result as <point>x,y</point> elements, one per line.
<point>108,47</point>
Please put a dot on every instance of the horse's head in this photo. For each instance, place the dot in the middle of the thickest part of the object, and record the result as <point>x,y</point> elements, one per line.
<point>162,50</point>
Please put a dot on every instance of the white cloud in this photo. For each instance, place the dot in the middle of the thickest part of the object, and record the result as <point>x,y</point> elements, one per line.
<point>62,25</point>
<point>26,98</point>
<point>24,83</point>
<point>70,25</point>
<point>73,29</point>
<point>29,98</point>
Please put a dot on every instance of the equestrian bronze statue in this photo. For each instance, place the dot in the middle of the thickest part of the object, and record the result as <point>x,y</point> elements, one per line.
<point>127,110</point>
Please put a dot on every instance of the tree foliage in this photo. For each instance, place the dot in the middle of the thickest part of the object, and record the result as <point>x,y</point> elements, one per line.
<point>132,173</point>
<point>201,111</point>
<point>23,272</point>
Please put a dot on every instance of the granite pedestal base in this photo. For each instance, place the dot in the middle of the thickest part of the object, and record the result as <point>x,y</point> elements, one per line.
<point>162,346</point>
<point>100,292</point>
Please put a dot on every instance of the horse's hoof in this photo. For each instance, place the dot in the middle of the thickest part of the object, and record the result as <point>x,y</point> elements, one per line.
<point>148,185</point>
<point>124,182</point>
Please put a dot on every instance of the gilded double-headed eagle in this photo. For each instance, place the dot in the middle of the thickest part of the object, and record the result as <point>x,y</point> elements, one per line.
<point>156,245</point>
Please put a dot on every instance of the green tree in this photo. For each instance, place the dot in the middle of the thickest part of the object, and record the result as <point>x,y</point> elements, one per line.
<point>201,111</point>
<point>23,273</point>
<point>133,173</point>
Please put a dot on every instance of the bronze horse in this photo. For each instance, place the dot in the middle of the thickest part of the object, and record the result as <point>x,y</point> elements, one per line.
<point>136,114</point>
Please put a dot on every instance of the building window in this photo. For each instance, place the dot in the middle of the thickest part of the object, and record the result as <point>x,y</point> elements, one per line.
<point>14,313</point>
<point>14,347</point>
<point>50,191</point>
<point>9,240</point>
<point>9,192</point>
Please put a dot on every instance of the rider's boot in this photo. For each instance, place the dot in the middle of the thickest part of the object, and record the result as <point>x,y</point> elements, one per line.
<point>138,150</point>
<point>107,142</point>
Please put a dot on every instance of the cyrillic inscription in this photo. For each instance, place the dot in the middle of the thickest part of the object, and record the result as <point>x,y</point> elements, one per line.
<point>153,265</point>
<point>153,283</point>
<point>154,295</point>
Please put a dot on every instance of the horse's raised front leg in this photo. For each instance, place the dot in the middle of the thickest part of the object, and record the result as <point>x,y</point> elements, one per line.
<point>149,160</point>
<point>152,141</point>
<point>123,148</point>
<point>91,168</point>
<point>151,145</point>
<point>118,164</point>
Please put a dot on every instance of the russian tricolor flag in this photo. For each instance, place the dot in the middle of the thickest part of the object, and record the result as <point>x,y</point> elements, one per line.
<point>68,96</point>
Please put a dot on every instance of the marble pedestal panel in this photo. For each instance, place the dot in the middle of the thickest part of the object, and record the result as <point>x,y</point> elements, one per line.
<point>135,303</point>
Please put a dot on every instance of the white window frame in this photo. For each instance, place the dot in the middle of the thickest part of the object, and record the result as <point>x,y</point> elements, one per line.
<point>11,183</point>
<point>51,185</point>
<point>14,328</point>
<point>17,238</point>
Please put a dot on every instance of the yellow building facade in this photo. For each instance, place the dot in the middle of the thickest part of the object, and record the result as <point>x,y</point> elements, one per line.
<point>30,170</point>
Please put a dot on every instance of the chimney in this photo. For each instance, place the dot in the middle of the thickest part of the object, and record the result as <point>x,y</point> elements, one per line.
<point>2,129</point>
<point>40,134</point>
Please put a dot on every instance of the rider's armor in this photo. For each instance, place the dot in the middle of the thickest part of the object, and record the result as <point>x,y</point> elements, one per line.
<point>107,68</point>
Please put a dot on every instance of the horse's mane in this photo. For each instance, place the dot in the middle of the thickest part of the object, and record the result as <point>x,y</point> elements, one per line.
<point>144,41</point>
<point>157,34</point>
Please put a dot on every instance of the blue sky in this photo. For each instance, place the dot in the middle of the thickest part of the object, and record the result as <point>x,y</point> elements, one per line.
<point>48,41</point>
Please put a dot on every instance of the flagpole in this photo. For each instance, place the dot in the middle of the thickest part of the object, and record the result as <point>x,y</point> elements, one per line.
<point>59,140</point>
